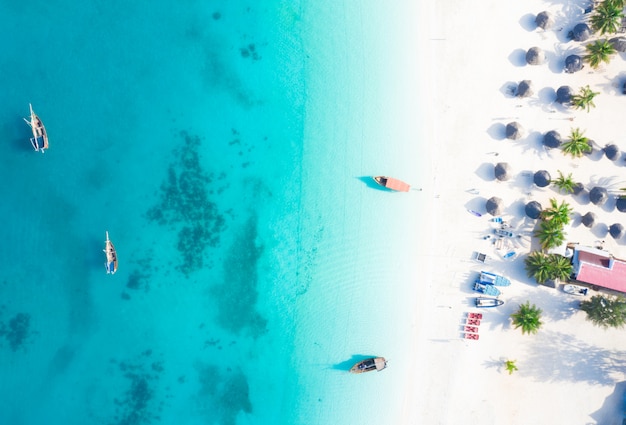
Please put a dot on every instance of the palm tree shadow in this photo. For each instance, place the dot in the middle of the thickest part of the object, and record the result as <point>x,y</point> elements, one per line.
<point>346,365</point>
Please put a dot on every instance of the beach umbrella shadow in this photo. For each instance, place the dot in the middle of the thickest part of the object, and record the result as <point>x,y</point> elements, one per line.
<point>518,57</point>
<point>509,89</point>
<point>600,230</point>
<point>486,171</point>
<point>347,364</point>
<point>497,131</point>
<point>528,22</point>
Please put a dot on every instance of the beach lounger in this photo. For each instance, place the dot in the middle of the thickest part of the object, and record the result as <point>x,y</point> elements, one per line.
<point>475,315</point>
<point>473,329</point>
<point>472,336</point>
<point>474,322</point>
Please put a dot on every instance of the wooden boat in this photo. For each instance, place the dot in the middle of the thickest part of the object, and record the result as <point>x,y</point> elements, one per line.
<point>393,184</point>
<point>486,289</point>
<point>40,136</point>
<point>368,365</point>
<point>485,302</point>
<point>575,290</point>
<point>109,250</point>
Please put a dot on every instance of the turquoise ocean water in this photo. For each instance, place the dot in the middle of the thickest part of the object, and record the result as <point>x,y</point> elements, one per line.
<point>225,150</point>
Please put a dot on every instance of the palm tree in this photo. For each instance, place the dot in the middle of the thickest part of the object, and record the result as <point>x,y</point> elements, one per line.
<point>527,317</point>
<point>566,184</point>
<point>599,51</point>
<point>605,311</point>
<point>584,98</point>
<point>577,144</point>
<point>543,267</point>
<point>550,234</point>
<point>558,213</point>
<point>607,17</point>
<point>510,366</point>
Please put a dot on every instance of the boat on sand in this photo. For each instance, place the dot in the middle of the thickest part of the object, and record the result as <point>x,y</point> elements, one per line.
<point>486,302</point>
<point>40,136</point>
<point>109,250</point>
<point>368,365</point>
<point>393,184</point>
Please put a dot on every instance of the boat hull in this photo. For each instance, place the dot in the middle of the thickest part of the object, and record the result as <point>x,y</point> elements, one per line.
<point>369,365</point>
<point>111,255</point>
<point>485,302</point>
<point>392,184</point>
<point>39,141</point>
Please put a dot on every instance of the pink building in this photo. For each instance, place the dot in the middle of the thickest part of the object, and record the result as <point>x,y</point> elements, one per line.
<point>599,268</point>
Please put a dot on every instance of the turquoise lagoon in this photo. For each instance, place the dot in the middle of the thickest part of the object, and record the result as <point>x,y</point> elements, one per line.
<point>225,147</point>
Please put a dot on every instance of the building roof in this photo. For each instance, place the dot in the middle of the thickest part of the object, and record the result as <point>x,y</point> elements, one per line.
<point>599,268</point>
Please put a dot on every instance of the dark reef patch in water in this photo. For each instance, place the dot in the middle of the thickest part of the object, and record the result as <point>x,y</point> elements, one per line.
<point>223,394</point>
<point>16,331</point>
<point>185,206</point>
<point>237,295</point>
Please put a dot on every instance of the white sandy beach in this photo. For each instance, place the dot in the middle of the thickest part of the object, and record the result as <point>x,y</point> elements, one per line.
<point>570,372</point>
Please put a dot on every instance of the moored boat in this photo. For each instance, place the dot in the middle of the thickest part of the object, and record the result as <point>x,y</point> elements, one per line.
<point>486,288</point>
<point>109,250</point>
<point>368,365</point>
<point>485,302</point>
<point>493,279</point>
<point>40,135</point>
<point>393,184</point>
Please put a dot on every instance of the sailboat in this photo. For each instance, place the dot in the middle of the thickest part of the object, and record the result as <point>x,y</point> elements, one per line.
<point>40,136</point>
<point>109,250</point>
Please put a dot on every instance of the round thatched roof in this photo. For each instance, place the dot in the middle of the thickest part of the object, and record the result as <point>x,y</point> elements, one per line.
<point>542,178</point>
<point>533,209</point>
<point>619,43</point>
<point>598,195</point>
<point>564,94</point>
<point>589,219</point>
<point>573,63</point>
<point>544,20</point>
<point>581,32</point>
<point>494,206</point>
<point>502,171</point>
<point>552,139</point>
<point>535,56</point>
<point>514,130</point>
<point>525,88</point>
<point>620,204</point>
<point>578,188</point>
<point>612,152</point>
<point>616,230</point>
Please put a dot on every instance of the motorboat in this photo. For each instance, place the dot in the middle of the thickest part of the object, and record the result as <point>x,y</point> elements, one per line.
<point>493,279</point>
<point>486,302</point>
<point>393,184</point>
<point>40,136</point>
<point>486,289</point>
<point>369,365</point>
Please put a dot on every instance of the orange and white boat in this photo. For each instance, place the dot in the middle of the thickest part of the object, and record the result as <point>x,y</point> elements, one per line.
<point>368,365</point>
<point>40,136</point>
<point>109,250</point>
<point>393,184</point>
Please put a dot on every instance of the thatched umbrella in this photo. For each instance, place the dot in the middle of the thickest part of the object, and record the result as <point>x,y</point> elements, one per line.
<point>598,195</point>
<point>564,94</point>
<point>611,151</point>
<point>620,204</point>
<point>525,88</point>
<point>619,44</point>
<point>573,63</point>
<point>616,230</point>
<point>552,139</point>
<point>502,171</point>
<point>514,130</point>
<point>533,209</point>
<point>542,178</point>
<point>589,219</point>
<point>535,56</point>
<point>578,188</point>
<point>581,32</point>
<point>494,206</point>
<point>544,20</point>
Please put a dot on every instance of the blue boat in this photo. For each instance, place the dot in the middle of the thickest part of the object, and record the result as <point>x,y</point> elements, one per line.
<point>486,289</point>
<point>493,279</point>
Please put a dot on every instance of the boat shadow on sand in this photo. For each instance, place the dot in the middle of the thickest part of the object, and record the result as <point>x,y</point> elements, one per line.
<point>347,364</point>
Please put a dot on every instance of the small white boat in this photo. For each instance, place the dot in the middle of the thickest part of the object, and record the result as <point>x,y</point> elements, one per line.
<point>109,250</point>
<point>368,365</point>
<point>40,136</point>
<point>575,290</point>
<point>393,184</point>
<point>485,302</point>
